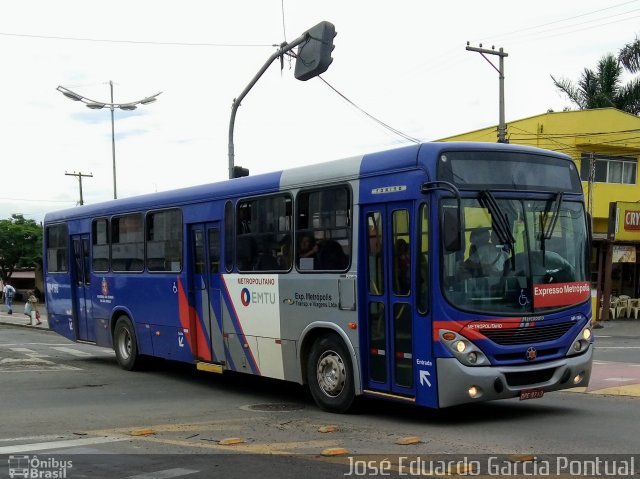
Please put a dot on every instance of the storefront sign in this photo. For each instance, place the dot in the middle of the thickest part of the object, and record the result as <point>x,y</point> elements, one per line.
<point>624,221</point>
<point>560,294</point>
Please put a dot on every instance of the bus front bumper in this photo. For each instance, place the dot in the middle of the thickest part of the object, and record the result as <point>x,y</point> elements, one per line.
<point>459,384</point>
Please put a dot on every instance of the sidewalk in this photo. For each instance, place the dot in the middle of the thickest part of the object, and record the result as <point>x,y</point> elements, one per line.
<point>625,327</point>
<point>18,318</point>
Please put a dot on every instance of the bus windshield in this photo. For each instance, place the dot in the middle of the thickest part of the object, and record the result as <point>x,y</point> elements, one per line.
<point>519,256</point>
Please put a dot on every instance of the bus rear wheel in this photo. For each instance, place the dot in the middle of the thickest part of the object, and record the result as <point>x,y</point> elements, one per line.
<point>125,344</point>
<point>330,374</point>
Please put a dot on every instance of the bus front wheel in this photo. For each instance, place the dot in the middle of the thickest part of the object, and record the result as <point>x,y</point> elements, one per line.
<point>330,374</point>
<point>125,345</point>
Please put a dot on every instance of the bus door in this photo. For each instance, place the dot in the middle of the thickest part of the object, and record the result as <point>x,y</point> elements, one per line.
<point>81,277</point>
<point>389,301</point>
<point>205,295</point>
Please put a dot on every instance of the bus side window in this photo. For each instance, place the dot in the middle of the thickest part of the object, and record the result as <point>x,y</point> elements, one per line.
<point>323,229</point>
<point>263,234</point>
<point>57,245</point>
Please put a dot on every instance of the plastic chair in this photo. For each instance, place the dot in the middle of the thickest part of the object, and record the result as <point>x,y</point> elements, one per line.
<point>613,303</point>
<point>622,305</point>
<point>634,306</point>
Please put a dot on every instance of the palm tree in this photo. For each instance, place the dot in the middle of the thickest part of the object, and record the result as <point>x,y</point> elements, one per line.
<point>603,87</point>
<point>629,56</point>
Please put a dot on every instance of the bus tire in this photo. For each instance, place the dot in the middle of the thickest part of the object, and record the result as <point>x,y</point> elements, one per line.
<point>125,344</point>
<point>330,374</point>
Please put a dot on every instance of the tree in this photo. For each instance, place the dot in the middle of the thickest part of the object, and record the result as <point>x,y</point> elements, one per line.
<point>603,87</point>
<point>20,245</point>
<point>629,56</point>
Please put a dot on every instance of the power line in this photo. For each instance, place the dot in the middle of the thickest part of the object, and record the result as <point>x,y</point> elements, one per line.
<point>369,115</point>
<point>284,28</point>
<point>136,42</point>
<point>533,35</point>
<point>520,30</point>
<point>37,201</point>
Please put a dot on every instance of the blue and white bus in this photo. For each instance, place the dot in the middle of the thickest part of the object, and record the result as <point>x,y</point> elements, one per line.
<point>436,274</point>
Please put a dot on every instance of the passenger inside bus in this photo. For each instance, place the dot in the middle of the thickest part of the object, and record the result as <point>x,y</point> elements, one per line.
<point>264,261</point>
<point>307,250</point>
<point>331,256</point>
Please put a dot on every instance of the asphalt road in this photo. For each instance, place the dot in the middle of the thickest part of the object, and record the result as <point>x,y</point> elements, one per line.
<point>66,400</point>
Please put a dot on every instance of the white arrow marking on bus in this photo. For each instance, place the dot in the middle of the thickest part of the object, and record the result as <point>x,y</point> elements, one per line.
<point>424,377</point>
<point>181,341</point>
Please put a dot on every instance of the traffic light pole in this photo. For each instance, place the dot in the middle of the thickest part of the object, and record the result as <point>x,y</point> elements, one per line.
<point>284,48</point>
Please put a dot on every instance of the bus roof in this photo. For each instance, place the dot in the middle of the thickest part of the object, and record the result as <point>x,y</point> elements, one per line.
<point>413,156</point>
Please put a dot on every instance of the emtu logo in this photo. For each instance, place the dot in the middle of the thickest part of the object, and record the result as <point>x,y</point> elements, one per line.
<point>245,297</point>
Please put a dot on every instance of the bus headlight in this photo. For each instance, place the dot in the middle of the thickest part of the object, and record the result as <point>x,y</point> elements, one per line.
<point>581,342</point>
<point>464,350</point>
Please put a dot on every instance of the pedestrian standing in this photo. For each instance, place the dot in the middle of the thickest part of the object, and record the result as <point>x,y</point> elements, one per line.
<point>9,291</point>
<point>31,309</point>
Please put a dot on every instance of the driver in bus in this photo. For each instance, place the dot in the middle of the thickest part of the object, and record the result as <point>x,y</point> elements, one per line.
<point>490,256</point>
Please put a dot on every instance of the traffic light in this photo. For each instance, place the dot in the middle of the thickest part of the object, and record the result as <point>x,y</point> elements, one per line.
<point>239,171</point>
<point>314,55</point>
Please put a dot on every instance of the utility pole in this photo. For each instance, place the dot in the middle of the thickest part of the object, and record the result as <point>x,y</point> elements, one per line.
<point>80,175</point>
<point>502,127</point>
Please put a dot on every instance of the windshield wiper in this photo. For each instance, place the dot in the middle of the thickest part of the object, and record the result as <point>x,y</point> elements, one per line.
<point>549,226</point>
<point>500,222</point>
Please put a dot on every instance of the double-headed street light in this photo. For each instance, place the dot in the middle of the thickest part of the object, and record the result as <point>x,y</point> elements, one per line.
<point>97,105</point>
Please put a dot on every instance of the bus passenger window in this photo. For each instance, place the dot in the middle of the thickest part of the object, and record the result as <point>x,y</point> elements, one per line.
<point>263,234</point>
<point>127,244</point>
<point>56,240</point>
<point>164,241</point>
<point>100,243</point>
<point>324,229</point>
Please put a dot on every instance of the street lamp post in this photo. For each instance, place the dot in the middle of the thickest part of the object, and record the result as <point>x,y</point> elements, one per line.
<point>97,105</point>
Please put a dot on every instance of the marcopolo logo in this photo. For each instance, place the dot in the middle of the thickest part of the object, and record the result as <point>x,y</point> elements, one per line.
<point>33,467</point>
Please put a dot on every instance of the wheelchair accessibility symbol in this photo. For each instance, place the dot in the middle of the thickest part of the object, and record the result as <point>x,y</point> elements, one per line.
<point>523,299</point>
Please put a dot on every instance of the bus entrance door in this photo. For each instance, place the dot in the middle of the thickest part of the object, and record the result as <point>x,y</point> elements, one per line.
<point>204,288</point>
<point>81,277</point>
<point>389,299</point>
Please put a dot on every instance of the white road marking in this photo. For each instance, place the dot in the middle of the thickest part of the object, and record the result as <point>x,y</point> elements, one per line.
<point>619,379</point>
<point>29,352</point>
<point>74,352</point>
<point>42,446</point>
<point>617,347</point>
<point>28,438</point>
<point>165,474</point>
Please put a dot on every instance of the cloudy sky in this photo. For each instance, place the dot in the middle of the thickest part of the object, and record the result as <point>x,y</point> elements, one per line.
<point>403,62</point>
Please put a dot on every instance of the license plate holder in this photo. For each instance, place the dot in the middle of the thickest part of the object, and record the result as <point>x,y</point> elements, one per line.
<point>531,394</point>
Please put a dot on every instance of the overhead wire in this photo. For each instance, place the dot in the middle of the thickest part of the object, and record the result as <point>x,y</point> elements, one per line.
<point>369,115</point>
<point>344,97</point>
<point>562,20</point>
<point>137,42</point>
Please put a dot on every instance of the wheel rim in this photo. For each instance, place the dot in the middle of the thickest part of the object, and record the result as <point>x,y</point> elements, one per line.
<point>331,373</point>
<point>124,344</point>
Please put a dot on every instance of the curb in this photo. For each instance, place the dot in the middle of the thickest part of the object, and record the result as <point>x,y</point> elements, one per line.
<point>20,323</point>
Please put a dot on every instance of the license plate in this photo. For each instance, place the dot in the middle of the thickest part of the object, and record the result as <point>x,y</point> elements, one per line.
<point>531,394</point>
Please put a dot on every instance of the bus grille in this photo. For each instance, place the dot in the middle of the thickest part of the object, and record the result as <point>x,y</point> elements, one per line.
<point>529,377</point>
<point>526,335</point>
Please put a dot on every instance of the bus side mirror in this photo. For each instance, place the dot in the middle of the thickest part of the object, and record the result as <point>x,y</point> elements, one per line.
<point>451,230</point>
